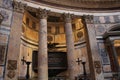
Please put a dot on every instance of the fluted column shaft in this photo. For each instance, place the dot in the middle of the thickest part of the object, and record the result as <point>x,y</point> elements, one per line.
<point>70,46</point>
<point>42,50</point>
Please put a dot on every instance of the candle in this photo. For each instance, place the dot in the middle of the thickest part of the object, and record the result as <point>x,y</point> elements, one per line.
<point>83,59</point>
<point>28,58</point>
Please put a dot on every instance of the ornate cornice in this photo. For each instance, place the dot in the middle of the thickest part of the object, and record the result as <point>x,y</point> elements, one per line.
<point>88,18</point>
<point>42,13</point>
<point>1,18</point>
<point>67,17</point>
<point>19,6</point>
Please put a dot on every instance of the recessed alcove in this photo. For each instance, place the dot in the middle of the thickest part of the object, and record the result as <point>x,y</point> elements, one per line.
<point>56,41</point>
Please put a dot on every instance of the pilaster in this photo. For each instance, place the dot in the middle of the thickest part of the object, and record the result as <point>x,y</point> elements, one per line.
<point>93,53</point>
<point>13,53</point>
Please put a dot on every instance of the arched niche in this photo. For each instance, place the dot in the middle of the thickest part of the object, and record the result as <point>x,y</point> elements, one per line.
<point>112,44</point>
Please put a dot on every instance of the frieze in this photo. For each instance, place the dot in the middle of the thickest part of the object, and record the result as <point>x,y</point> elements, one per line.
<point>100,29</point>
<point>88,18</point>
<point>12,65</point>
<point>97,65</point>
<point>19,6</point>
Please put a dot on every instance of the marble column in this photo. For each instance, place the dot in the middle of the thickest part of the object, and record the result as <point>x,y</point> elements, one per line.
<point>70,46</point>
<point>42,50</point>
<point>95,65</point>
<point>12,68</point>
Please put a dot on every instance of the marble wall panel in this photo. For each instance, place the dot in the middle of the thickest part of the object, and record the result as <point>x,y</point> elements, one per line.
<point>117,18</point>
<point>102,19</point>
<point>96,19</point>
<point>106,19</point>
<point>1,2</point>
<point>7,14</point>
<point>7,4</point>
<point>4,30</point>
<point>3,38</point>
<point>106,68</point>
<point>103,53</point>
<point>112,20</point>
<point>100,29</point>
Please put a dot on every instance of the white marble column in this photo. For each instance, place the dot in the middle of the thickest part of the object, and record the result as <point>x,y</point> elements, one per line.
<point>42,50</point>
<point>70,46</point>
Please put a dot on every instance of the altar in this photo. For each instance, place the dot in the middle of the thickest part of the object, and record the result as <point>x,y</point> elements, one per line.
<point>57,62</point>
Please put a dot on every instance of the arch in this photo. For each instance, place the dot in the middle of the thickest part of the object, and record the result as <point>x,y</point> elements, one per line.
<point>112,31</point>
<point>114,28</point>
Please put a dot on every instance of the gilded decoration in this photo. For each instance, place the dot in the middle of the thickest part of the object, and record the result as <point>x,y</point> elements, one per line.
<point>79,34</point>
<point>12,65</point>
<point>50,38</point>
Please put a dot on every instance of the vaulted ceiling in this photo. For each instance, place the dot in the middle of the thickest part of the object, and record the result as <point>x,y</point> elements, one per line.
<point>84,4</point>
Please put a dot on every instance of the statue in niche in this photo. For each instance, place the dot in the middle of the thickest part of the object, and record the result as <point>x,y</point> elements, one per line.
<point>2,54</point>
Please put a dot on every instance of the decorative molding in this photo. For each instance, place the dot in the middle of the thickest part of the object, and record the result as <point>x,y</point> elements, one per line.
<point>42,13</point>
<point>67,17</point>
<point>11,74</point>
<point>7,4</point>
<point>7,16</point>
<point>12,65</point>
<point>50,38</point>
<point>19,6</point>
<point>88,18</point>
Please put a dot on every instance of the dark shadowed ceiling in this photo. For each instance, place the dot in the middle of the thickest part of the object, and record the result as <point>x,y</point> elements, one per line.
<point>84,4</point>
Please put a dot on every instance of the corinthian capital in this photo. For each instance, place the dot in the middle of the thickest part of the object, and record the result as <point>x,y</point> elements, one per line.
<point>19,6</point>
<point>88,18</point>
<point>67,17</point>
<point>42,13</point>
